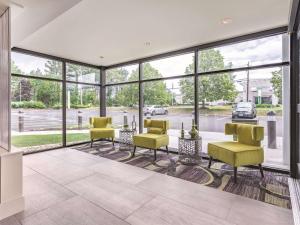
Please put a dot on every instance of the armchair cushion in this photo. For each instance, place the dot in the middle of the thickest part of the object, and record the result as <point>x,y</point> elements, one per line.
<point>235,153</point>
<point>151,141</point>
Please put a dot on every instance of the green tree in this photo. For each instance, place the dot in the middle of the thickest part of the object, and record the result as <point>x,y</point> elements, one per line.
<point>276,82</point>
<point>22,89</point>
<point>211,87</point>
<point>155,92</point>
<point>15,69</point>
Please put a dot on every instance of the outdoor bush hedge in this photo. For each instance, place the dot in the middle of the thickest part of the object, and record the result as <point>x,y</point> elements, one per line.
<point>266,106</point>
<point>28,105</point>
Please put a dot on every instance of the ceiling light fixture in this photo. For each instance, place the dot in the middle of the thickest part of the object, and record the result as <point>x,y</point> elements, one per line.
<point>101,57</point>
<point>226,21</point>
<point>147,43</point>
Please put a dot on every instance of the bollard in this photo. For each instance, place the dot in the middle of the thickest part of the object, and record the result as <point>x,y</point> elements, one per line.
<point>21,121</point>
<point>79,120</point>
<point>271,123</point>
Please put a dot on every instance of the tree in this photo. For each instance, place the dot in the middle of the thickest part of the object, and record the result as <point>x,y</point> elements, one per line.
<point>15,68</point>
<point>23,90</point>
<point>155,93</point>
<point>211,87</point>
<point>276,82</point>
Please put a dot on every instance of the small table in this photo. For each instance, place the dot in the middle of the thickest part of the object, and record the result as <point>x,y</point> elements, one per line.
<point>126,138</point>
<point>189,150</point>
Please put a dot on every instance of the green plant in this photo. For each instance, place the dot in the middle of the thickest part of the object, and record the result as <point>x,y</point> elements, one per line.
<point>28,105</point>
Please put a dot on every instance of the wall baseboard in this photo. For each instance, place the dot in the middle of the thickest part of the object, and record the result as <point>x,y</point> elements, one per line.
<point>12,207</point>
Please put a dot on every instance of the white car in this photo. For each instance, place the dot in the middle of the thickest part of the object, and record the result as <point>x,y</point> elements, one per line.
<point>155,110</point>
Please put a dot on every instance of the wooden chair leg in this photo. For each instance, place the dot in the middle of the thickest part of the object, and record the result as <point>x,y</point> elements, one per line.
<point>91,143</point>
<point>209,163</point>
<point>167,149</point>
<point>134,148</point>
<point>235,174</point>
<point>113,142</point>
<point>261,170</point>
<point>154,154</point>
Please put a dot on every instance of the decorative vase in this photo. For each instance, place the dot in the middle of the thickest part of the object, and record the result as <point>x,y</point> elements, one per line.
<point>194,132</point>
<point>182,131</point>
<point>133,124</point>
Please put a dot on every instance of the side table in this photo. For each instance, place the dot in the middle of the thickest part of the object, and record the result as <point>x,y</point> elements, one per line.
<point>126,138</point>
<point>189,150</point>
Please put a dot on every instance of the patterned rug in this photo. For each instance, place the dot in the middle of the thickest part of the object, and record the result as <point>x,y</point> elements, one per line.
<point>273,189</point>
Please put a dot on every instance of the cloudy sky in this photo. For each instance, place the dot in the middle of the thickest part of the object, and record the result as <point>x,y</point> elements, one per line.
<point>256,52</point>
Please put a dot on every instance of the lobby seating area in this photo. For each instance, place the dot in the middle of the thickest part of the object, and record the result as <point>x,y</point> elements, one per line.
<point>149,112</point>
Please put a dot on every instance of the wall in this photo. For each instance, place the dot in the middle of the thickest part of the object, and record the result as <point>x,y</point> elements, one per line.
<point>5,80</point>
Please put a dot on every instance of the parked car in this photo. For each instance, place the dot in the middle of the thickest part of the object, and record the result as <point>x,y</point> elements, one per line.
<point>244,110</point>
<point>155,110</point>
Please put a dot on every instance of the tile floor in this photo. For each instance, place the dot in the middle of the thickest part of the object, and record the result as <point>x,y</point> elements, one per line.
<point>68,187</point>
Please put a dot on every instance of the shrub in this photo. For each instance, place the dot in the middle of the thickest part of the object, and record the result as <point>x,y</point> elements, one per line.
<point>264,106</point>
<point>28,105</point>
<point>81,106</point>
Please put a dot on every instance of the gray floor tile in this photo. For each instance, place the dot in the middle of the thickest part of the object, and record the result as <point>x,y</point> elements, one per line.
<point>110,193</point>
<point>10,221</point>
<point>122,171</point>
<point>40,193</point>
<point>251,212</point>
<point>75,211</point>
<point>164,211</point>
<point>208,200</point>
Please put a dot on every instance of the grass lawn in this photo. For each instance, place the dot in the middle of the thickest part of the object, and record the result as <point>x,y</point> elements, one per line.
<point>45,139</point>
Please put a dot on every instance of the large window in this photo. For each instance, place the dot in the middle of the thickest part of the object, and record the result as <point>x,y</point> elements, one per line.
<point>250,53</point>
<point>83,102</point>
<point>172,100</point>
<point>36,114</point>
<point>84,74</point>
<point>35,66</point>
<point>122,100</point>
<point>168,67</point>
<point>122,74</point>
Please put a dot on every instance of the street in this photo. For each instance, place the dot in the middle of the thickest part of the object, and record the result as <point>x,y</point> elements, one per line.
<point>51,119</point>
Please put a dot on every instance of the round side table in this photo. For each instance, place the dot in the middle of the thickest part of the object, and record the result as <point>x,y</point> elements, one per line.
<point>126,138</point>
<point>189,150</point>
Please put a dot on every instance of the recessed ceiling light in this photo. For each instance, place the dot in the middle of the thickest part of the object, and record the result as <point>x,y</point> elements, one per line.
<point>101,57</point>
<point>226,20</point>
<point>147,43</point>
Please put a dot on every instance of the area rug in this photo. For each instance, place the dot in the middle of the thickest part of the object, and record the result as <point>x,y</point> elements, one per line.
<point>272,189</point>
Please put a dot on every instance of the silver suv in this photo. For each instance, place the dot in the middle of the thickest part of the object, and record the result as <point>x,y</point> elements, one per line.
<point>155,110</point>
<point>244,110</point>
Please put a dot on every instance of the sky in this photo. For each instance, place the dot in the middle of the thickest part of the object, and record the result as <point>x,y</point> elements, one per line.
<point>256,52</point>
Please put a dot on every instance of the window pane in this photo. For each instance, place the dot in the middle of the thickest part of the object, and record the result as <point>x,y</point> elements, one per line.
<point>122,100</point>
<point>267,50</point>
<point>82,74</point>
<point>35,66</point>
<point>122,74</point>
<point>247,97</point>
<point>36,114</point>
<point>178,65</point>
<point>171,100</point>
<point>82,103</point>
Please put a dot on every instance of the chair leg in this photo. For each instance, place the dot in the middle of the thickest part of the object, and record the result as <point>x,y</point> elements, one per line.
<point>209,163</point>
<point>167,149</point>
<point>113,141</point>
<point>235,174</point>
<point>261,170</point>
<point>154,154</point>
<point>91,143</point>
<point>134,148</point>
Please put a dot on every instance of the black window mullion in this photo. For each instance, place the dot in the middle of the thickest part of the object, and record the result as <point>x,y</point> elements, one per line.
<point>64,105</point>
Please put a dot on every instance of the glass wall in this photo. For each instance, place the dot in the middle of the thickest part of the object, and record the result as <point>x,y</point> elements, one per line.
<point>122,100</point>
<point>36,114</point>
<point>37,102</point>
<point>83,102</point>
<point>172,100</point>
<point>122,74</point>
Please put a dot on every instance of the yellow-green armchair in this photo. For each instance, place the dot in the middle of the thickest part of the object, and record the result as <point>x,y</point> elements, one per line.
<point>101,128</point>
<point>155,138</point>
<point>247,150</point>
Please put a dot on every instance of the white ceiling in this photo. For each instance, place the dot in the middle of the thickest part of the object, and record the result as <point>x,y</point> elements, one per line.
<point>84,30</point>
